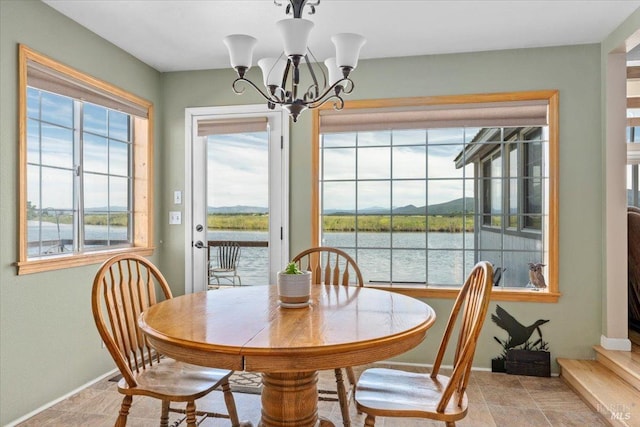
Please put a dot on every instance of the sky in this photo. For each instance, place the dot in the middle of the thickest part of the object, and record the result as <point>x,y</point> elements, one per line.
<point>52,156</point>
<point>238,170</point>
<point>401,156</point>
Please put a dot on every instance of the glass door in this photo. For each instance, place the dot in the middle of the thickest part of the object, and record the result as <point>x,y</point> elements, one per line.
<point>239,202</point>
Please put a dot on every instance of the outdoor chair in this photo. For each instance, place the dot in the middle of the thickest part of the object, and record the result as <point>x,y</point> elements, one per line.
<point>382,392</point>
<point>332,266</point>
<point>223,262</point>
<point>124,286</point>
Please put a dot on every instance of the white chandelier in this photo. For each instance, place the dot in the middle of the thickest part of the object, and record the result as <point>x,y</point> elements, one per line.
<point>282,75</point>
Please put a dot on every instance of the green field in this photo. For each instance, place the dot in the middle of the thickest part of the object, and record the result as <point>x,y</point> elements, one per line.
<point>118,219</point>
<point>344,223</point>
<point>372,223</point>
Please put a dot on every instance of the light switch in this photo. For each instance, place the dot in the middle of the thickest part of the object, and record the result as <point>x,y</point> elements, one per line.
<point>177,197</point>
<point>175,217</point>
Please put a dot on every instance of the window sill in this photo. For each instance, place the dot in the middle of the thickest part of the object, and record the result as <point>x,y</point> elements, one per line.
<point>498,293</point>
<point>61,262</point>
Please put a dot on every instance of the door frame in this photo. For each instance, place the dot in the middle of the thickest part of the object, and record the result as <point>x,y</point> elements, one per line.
<point>278,215</point>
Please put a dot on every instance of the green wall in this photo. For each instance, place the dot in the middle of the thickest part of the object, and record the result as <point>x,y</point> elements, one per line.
<point>48,343</point>
<point>575,71</point>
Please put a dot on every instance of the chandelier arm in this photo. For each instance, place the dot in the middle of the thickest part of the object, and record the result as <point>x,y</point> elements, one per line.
<point>297,6</point>
<point>281,96</point>
<point>337,87</point>
<point>347,88</point>
<point>285,77</point>
<point>272,99</point>
<point>311,71</point>
<point>338,103</point>
<point>326,96</point>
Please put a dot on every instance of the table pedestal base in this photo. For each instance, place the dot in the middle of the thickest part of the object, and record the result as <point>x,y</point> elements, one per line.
<point>290,400</point>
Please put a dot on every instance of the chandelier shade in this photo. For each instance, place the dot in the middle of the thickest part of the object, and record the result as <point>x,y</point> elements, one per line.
<point>335,74</point>
<point>240,50</point>
<point>348,47</point>
<point>282,76</point>
<point>295,35</point>
<point>272,70</point>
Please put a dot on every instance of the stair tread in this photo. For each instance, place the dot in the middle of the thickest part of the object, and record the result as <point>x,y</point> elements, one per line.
<point>608,392</point>
<point>629,360</point>
<point>626,364</point>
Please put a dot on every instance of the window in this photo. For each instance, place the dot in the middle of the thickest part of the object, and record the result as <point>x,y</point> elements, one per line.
<point>418,190</point>
<point>520,178</point>
<point>492,186</point>
<point>84,168</point>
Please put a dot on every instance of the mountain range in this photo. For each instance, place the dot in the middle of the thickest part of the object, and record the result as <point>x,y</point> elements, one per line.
<point>451,207</point>
<point>447,208</point>
<point>238,209</point>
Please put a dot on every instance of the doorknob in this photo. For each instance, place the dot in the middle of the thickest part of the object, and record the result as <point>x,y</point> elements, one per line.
<point>199,244</point>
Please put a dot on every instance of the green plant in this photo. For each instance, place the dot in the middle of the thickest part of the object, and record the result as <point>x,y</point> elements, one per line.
<point>292,268</point>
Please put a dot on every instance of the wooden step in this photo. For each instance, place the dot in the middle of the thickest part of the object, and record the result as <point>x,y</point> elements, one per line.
<point>612,397</point>
<point>626,364</point>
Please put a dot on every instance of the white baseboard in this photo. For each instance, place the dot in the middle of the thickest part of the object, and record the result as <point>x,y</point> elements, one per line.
<point>622,344</point>
<point>60,399</point>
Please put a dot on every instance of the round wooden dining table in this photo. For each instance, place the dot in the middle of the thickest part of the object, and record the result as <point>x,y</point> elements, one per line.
<point>245,328</point>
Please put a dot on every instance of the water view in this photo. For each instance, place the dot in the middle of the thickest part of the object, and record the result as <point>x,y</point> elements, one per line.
<point>449,258</point>
<point>57,238</point>
<point>448,254</point>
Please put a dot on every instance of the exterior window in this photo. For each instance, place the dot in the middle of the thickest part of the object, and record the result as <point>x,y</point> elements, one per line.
<point>512,182</point>
<point>417,207</point>
<point>97,216</point>
<point>532,177</point>
<point>521,178</point>
<point>84,169</point>
<point>492,186</point>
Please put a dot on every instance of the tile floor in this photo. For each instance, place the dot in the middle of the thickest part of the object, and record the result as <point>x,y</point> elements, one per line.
<point>496,400</point>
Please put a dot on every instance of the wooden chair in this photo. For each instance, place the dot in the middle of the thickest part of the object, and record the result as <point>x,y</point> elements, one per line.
<point>223,262</point>
<point>123,287</point>
<point>332,266</point>
<point>395,393</point>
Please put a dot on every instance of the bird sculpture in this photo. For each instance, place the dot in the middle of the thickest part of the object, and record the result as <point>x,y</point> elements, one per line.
<point>518,333</point>
<point>497,275</point>
<point>535,275</point>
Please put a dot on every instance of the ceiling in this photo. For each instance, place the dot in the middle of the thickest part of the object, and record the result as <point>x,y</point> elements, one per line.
<point>176,35</point>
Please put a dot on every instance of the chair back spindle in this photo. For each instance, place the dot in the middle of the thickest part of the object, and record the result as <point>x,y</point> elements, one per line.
<point>329,266</point>
<point>223,259</point>
<point>228,253</point>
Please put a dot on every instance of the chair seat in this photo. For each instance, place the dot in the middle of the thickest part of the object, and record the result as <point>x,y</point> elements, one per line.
<point>223,270</point>
<point>390,392</point>
<point>181,382</point>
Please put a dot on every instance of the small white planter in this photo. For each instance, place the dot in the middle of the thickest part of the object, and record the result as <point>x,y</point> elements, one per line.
<point>294,289</point>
